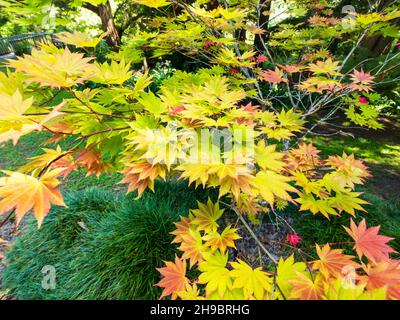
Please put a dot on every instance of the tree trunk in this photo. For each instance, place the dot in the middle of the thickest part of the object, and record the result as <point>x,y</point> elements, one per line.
<point>263,20</point>
<point>379,44</point>
<point>107,22</point>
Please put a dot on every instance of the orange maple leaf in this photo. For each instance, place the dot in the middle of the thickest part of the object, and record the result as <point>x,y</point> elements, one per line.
<point>369,243</point>
<point>174,277</point>
<point>273,76</point>
<point>23,192</point>
<point>182,228</point>
<point>92,162</point>
<point>384,274</point>
<point>216,241</point>
<point>291,68</point>
<point>193,247</point>
<point>141,175</point>
<point>305,288</point>
<point>332,261</point>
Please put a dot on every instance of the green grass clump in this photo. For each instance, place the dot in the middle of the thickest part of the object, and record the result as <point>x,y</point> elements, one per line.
<point>119,260</point>
<point>52,244</point>
<point>112,255</point>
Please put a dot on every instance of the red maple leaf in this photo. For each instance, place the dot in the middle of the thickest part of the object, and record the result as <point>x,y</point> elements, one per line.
<point>369,243</point>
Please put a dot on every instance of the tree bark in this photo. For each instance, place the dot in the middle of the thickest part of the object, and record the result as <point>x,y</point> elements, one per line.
<point>107,22</point>
<point>379,44</point>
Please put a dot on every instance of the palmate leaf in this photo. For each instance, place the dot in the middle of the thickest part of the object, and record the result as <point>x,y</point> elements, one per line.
<point>254,282</point>
<point>306,288</point>
<point>273,76</point>
<point>191,292</point>
<point>369,243</point>
<point>182,229</point>
<point>286,270</point>
<point>348,202</point>
<point>57,68</point>
<point>174,277</point>
<point>142,175</point>
<point>332,261</point>
<point>113,73</point>
<point>151,103</point>
<point>193,247</point>
<point>268,158</point>
<point>206,216</point>
<point>23,193</point>
<point>309,202</point>
<point>215,274</point>
<point>272,185</point>
<point>10,82</point>
<point>12,107</point>
<point>48,157</point>
<point>325,67</point>
<point>384,274</point>
<point>223,240</point>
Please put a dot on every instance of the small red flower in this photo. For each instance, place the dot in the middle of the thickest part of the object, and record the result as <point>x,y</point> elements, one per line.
<point>363,100</point>
<point>397,45</point>
<point>293,238</point>
<point>252,59</point>
<point>233,71</point>
<point>261,59</point>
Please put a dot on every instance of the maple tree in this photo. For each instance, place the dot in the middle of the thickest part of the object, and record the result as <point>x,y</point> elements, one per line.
<point>114,120</point>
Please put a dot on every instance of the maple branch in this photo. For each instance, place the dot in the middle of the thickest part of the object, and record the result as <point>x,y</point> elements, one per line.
<point>7,218</point>
<point>242,219</point>
<point>354,48</point>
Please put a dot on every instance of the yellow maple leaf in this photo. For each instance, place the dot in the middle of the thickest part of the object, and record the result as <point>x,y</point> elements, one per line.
<point>286,269</point>
<point>58,69</point>
<point>268,158</point>
<point>12,107</point>
<point>271,185</point>
<point>113,73</point>
<point>345,289</point>
<point>325,67</point>
<point>206,216</point>
<point>80,39</point>
<point>253,281</point>
<point>324,206</point>
<point>215,274</point>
